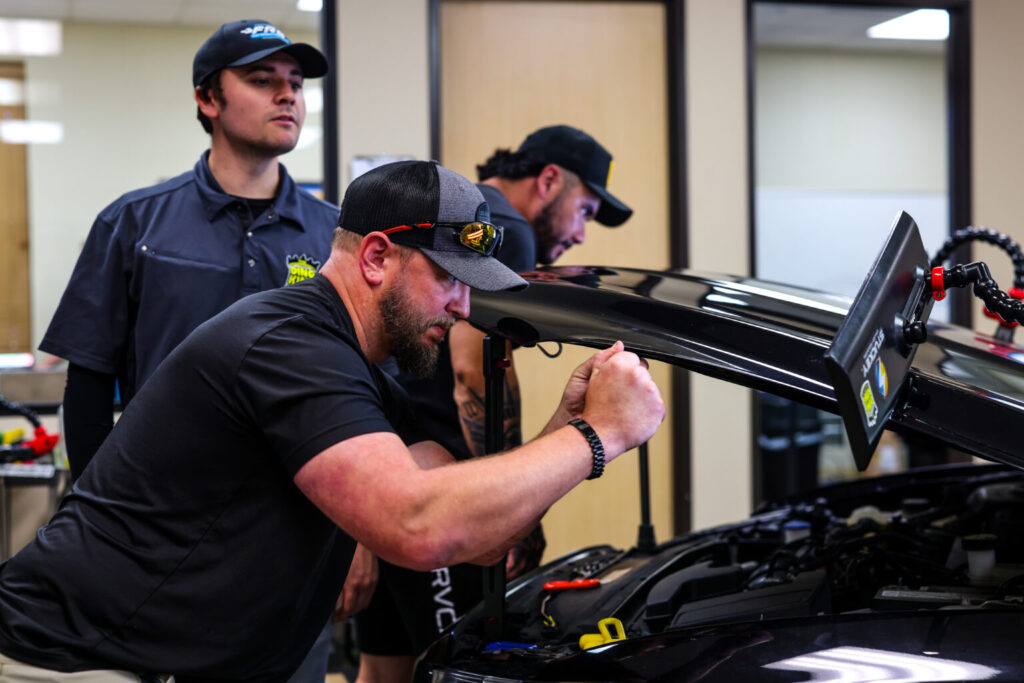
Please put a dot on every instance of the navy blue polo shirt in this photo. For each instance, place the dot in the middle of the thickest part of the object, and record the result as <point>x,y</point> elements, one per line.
<point>161,260</point>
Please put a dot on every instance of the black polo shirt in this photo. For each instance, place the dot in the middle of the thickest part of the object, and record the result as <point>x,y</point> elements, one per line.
<point>161,260</point>
<point>203,558</point>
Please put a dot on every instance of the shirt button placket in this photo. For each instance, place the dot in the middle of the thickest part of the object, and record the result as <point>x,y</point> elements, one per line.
<point>250,273</point>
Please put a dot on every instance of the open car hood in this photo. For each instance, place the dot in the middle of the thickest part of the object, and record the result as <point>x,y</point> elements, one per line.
<point>964,389</point>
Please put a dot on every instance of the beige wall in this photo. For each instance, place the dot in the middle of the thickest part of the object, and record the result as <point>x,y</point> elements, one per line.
<point>383,88</point>
<point>997,129</point>
<point>716,138</point>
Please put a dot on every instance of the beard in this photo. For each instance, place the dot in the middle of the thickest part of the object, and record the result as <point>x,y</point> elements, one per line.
<point>545,229</point>
<point>404,329</point>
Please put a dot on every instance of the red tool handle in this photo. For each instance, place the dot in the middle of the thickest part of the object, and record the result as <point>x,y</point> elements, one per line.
<point>571,585</point>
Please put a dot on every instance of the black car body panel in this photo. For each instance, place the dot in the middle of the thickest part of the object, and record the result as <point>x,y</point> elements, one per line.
<point>964,388</point>
<point>874,579</point>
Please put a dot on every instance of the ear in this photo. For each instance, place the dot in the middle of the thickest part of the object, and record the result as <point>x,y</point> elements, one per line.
<point>207,105</point>
<point>376,253</point>
<point>549,181</point>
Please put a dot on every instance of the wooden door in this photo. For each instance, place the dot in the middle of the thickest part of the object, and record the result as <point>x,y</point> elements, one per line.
<point>14,297</point>
<point>508,68</point>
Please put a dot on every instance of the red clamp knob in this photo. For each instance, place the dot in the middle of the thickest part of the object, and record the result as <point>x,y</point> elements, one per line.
<point>43,443</point>
<point>552,586</point>
<point>938,288</point>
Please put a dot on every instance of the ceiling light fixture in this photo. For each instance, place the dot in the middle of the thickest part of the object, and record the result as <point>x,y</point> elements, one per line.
<point>30,37</point>
<point>922,24</point>
<point>309,5</point>
<point>20,132</point>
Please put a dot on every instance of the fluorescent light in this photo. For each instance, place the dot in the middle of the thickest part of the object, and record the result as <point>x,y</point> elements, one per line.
<point>309,5</point>
<point>922,24</point>
<point>16,360</point>
<point>18,132</point>
<point>12,92</point>
<point>30,37</point>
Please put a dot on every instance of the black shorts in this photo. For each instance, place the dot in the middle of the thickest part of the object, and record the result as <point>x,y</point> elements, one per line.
<point>410,609</point>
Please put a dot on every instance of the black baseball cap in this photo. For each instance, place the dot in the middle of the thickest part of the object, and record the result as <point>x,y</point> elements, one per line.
<point>410,193</point>
<point>576,151</point>
<point>250,40</point>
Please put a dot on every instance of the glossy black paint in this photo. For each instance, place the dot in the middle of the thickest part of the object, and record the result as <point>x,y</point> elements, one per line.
<point>966,390</point>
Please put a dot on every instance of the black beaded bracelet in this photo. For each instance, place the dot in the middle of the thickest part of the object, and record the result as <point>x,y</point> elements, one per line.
<point>596,447</point>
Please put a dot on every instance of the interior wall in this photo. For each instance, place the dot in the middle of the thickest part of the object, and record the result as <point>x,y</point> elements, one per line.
<point>123,94</point>
<point>383,81</point>
<point>813,106</point>
<point>997,130</point>
<point>844,141</point>
<point>719,219</point>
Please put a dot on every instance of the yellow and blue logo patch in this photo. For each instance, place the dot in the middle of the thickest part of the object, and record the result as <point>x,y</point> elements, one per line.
<point>300,267</point>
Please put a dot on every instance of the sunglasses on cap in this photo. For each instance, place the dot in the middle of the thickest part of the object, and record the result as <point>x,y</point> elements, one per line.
<point>479,236</point>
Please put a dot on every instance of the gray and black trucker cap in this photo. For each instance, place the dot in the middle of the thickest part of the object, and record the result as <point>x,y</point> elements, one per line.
<point>243,42</point>
<point>414,193</point>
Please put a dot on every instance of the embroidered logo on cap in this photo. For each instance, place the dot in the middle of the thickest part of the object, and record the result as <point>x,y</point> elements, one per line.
<point>265,31</point>
<point>300,267</point>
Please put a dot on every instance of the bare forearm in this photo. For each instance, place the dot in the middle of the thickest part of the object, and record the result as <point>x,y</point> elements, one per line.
<point>427,518</point>
<point>471,417</point>
<point>499,551</point>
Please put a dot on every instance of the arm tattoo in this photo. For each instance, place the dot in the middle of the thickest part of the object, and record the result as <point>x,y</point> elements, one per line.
<point>471,412</point>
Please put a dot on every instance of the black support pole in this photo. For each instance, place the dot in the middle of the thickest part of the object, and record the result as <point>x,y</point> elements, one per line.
<point>495,363</point>
<point>329,43</point>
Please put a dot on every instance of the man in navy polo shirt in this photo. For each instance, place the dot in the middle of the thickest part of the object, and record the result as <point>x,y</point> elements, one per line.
<point>161,260</point>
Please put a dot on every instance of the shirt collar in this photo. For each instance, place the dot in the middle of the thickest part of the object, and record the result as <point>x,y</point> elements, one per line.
<point>215,199</point>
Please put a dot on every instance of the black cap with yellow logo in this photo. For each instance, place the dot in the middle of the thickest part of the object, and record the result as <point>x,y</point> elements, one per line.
<point>576,151</point>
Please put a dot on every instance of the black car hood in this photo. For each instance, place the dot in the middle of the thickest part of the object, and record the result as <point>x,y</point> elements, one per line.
<point>965,390</point>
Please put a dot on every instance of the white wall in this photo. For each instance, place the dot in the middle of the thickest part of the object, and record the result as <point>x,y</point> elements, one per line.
<point>123,95</point>
<point>834,120</point>
<point>845,140</point>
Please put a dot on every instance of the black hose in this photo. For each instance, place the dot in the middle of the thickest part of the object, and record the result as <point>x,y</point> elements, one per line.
<point>28,413</point>
<point>972,233</point>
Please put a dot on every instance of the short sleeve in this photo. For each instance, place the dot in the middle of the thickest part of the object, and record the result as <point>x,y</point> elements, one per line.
<point>310,388</point>
<point>518,248</point>
<point>91,324</point>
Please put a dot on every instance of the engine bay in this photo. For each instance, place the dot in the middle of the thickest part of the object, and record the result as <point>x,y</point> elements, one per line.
<point>941,540</point>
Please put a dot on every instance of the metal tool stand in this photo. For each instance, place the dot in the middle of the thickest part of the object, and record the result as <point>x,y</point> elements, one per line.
<point>495,363</point>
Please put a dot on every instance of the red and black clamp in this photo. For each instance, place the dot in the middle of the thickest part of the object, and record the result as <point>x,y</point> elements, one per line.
<point>938,284</point>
